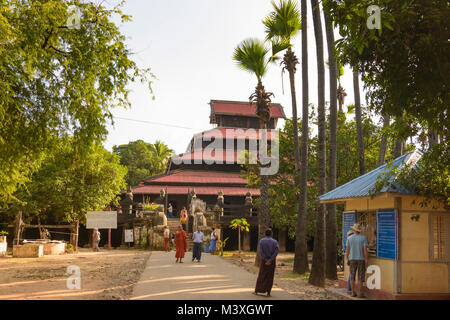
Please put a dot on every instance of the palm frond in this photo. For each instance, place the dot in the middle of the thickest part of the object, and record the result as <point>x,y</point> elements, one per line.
<point>284,22</point>
<point>251,55</point>
<point>278,46</point>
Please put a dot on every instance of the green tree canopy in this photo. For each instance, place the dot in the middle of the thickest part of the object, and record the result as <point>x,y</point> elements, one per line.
<point>57,80</point>
<point>70,183</point>
<point>143,159</point>
<point>405,63</point>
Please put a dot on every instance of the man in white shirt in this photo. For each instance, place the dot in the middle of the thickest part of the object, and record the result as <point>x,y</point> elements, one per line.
<point>166,238</point>
<point>96,239</point>
<point>198,240</point>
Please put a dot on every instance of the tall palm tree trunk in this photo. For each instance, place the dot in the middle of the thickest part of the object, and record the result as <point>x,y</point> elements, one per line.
<point>291,61</point>
<point>317,276</point>
<point>264,212</point>
<point>362,167</point>
<point>398,148</point>
<point>331,227</point>
<point>433,138</point>
<point>383,142</point>
<point>301,249</point>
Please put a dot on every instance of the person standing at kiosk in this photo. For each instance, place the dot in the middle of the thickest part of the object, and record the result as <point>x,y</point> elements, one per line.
<point>358,258</point>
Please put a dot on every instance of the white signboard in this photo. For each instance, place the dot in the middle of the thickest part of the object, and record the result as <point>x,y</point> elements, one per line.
<point>128,235</point>
<point>3,248</point>
<point>101,220</point>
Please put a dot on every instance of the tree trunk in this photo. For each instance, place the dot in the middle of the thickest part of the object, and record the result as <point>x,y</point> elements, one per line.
<point>362,167</point>
<point>77,229</point>
<point>264,212</point>
<point>301,249</point>
<point>291,70</point>
<point>383,142</point>
<point>331,227</point>
<point>398,150</point>
<point>18,227</point>
<point>317,276</point>
<point>41,234</point>
<point>263,215</point>
<point>433,138</point>
<point>239,239</point>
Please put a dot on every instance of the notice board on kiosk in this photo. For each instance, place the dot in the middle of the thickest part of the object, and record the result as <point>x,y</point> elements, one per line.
<point>387,234</point>
<point>349,220</point>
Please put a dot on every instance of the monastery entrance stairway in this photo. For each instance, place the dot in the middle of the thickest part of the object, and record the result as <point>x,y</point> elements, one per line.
<point>173,224</point>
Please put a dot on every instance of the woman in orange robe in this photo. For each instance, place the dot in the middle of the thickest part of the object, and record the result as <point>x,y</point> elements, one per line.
<point>180,243</point>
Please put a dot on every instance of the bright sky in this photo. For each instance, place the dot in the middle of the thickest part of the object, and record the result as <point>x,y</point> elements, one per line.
<point>189,44</point>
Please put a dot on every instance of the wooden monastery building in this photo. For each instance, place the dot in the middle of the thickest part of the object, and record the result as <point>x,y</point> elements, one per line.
<point>208,172</point>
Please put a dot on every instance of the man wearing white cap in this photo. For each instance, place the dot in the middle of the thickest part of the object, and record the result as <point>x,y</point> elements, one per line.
<point>358,256</point>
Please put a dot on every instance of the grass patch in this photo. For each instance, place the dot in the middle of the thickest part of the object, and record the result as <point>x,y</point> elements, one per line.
<point>293,275</point>
<point>227,254</point>
<point>288,260</point>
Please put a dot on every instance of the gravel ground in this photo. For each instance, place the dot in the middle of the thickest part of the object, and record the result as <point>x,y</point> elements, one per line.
<point>105,275</point>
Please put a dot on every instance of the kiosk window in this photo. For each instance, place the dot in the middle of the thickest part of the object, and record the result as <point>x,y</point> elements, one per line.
<point>368,222</point>
<point>438,237</point>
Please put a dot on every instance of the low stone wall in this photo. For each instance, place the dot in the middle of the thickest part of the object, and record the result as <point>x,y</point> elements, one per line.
<point>54,248</point>
<point>156,240</point>
<point>30,250</point>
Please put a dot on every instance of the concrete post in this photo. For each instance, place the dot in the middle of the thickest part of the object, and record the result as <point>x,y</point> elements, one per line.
<point>282,240</point>
<point>246,241</point>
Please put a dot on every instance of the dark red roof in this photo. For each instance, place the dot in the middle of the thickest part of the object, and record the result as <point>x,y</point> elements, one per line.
<point>228,133</point>
<point>204,183</point>
<point>201,190</point>
<point>220,157</point>
<point>199,177</point>
<point>243,108</point>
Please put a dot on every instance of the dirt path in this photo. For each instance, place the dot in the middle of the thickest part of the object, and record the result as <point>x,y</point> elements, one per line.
<point>105,275</point>
<point>284,277</point>
<point>212,279</point>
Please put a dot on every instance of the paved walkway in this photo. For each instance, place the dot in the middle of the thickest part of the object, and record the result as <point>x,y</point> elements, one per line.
<point>213,278</point>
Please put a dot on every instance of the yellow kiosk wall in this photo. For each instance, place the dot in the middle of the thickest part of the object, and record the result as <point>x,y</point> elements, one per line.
<point>416,273</point>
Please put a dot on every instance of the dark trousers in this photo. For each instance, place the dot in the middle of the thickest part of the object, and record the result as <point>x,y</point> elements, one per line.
<point>197,251</point>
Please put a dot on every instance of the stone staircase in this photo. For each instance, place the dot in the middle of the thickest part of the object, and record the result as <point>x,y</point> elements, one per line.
<point>173,224</point>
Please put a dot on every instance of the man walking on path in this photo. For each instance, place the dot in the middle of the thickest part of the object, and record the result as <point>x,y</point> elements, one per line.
<point>198,240</point>
<point>268,250</point>
<point>96,239</point>
<point>166,238</point>
<point>358,258</point>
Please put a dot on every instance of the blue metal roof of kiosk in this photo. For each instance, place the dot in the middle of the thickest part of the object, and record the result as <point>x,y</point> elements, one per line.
<point>362,185</point>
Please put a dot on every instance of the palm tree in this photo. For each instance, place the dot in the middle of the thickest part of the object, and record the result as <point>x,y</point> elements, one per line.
<point>362,167</point>
<point>160,155</point>
<point>281,26</point>
<point>341,94</point>
<point>317,276</point>
<point>331,227</point>
<point>301,250</point>
<point>383,142</point>
<point>252,55</point>
<point>241,225</point>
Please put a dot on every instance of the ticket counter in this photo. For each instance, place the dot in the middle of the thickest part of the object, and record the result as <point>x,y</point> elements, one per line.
<point>409,246</point>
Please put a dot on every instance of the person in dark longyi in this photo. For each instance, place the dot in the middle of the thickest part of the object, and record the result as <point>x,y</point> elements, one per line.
<point>268,250</point>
